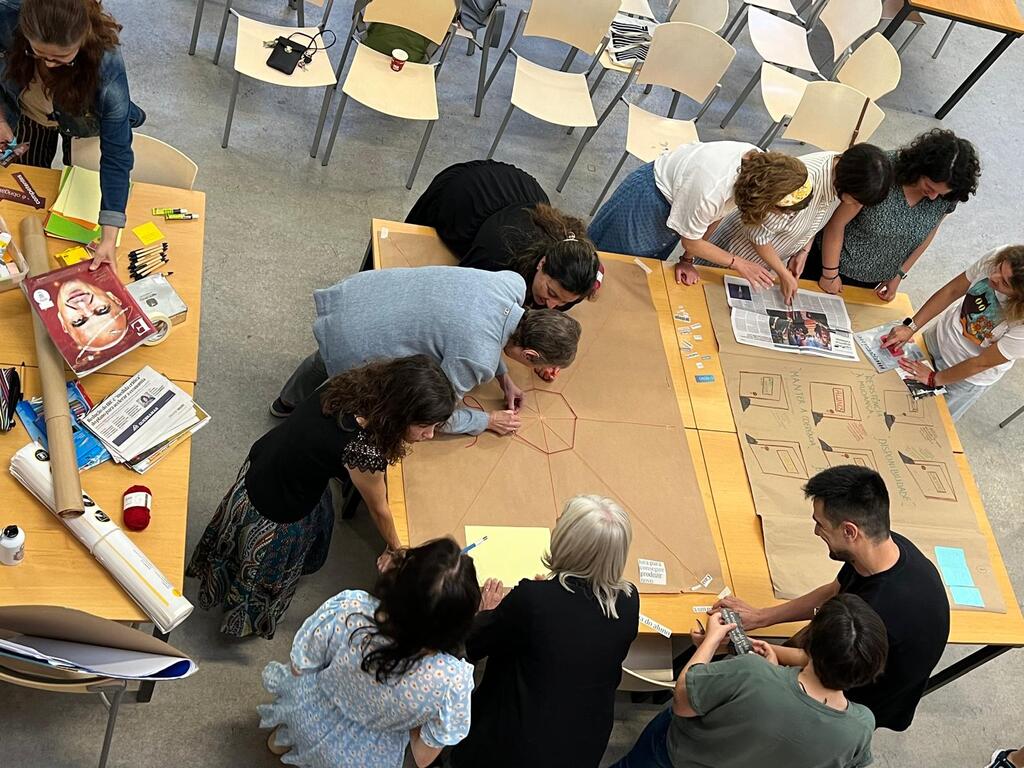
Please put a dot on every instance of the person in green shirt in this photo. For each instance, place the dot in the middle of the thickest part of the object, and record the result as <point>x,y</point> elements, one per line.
<point>776,707</point>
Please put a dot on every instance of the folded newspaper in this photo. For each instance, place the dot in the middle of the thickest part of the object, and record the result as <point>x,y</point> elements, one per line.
<point>144,419</point>
<point>816,323</point>
<point>629,38</point>
<point>883,360</point>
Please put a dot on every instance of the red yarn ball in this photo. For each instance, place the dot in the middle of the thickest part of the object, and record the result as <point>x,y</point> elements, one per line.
<point>136,518</point>
<point>137,502</point>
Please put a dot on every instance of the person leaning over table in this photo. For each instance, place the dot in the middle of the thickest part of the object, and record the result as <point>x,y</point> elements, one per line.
<point>554,648</point>
<point>275,523</point>
<point>463,318</point>
<point>861,175</point>
<point>876,246</point>
<point>371,674</point>
<point>775,707</point>
<point>686,192</point>
<point>61,74</point>
<point>979,332</point>
<point>494,216</point>
<point>851,515</point>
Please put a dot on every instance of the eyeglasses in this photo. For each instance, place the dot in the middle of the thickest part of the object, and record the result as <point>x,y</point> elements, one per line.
<point>50,60</point>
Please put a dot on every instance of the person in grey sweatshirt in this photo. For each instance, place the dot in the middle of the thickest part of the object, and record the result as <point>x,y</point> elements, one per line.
<point>463,318</point>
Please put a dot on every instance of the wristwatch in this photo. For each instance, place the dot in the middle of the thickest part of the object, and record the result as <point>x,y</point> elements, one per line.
<point>901,273</point>
<point>909,322</point>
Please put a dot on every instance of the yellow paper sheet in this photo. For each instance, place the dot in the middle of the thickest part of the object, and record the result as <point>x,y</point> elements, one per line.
<point>510,553</point>
<point>81,195</point>
<point>148,233</point>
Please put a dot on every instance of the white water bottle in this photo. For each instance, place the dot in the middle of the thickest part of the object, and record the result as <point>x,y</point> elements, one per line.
<point>12,545</point>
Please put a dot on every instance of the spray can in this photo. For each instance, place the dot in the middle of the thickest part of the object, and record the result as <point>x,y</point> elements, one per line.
<point>12,545</point>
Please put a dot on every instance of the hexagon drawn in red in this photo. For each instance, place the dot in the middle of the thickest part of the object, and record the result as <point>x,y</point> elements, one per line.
<point>548,422</point>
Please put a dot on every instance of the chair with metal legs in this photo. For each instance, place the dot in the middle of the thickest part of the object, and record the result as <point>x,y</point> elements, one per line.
<point>942,42</point>
<point>492,39</point>
<point>298,7</point>
<point>830,116</point>
<point>889,10</point>
<point>43,678</point>
<point>689,60</point>
<point>251,61</point>
<point>410,93</point>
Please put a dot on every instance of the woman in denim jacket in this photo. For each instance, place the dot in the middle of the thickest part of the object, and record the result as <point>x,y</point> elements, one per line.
<point>61,73</point>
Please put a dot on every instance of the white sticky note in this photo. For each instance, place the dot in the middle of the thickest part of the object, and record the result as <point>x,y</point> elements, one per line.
<point>642,266</point>
<point>692,355</point>
<point>661,629</point>
<point>706,581</point>
<point>696,326</point>
<point>698,337</point>
<point>652,572</point>
<point>724,593</point>
<point>702,609</point>
<point>700,365</point>
<point>383,233</point>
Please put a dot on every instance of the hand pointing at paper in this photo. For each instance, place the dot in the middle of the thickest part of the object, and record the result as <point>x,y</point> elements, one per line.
<point>105,250</point>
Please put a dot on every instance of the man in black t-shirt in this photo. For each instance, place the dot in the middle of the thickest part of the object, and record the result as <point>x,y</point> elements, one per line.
<point>851,515</point>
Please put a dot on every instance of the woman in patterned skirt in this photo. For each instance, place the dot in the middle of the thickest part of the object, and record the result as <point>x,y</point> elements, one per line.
<point>274,525</point>
<point>371,674</point>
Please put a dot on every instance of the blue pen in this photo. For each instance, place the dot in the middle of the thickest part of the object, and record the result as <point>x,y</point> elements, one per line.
<point>473,545</point>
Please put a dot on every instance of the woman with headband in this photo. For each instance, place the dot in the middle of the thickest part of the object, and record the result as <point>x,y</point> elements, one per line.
<point>685,193</point>
<point>494,216</point>
<point>862,175</point>
<point>876,247</point>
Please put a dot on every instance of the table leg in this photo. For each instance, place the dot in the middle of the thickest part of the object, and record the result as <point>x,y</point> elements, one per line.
<point>972,78</point>
<point>897,20</point>
<point>967,664</point>
<point>145,693</point>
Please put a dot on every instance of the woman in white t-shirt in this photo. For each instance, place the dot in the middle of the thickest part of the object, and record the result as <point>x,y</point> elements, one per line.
<point>974,342</point>
<point>685,193</point>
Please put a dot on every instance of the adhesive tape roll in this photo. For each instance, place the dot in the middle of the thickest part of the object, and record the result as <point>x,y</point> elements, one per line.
<point>162,323</point>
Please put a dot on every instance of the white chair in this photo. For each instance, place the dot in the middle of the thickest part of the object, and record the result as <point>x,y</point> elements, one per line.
<point>43,678</point>
<point>776,7</point>
<point>556,96</point>
<point>298,5</point>
<point>155,161</point>
<point>830,116</point>
<point>647,667</point>
<point>784,44</point>
<point>688,59</point>
<point>889,10</point>
<point>410,94</point>
<point>251,61</point>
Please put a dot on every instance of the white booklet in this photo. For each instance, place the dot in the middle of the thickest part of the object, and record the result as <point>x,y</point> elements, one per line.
<point>815,324</point>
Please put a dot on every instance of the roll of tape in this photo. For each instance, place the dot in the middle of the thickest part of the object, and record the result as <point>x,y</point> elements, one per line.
<point>162,323</point>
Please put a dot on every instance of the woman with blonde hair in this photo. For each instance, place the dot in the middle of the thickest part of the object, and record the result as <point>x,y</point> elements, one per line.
<point>979,332</point>
<point>685,193</point>
<point>554,649</point>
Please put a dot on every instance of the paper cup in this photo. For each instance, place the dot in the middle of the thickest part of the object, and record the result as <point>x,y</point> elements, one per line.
<point>398,59</point>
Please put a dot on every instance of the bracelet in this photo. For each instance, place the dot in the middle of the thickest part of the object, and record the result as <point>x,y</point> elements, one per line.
<point>931,379</point>
<point>732,263</point>
<point>830,269</point>
<point>901,274</point>
<point>826,277</point>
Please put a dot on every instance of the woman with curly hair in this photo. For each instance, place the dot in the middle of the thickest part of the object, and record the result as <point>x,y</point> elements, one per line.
<point>686,192</point>
<point>494,216</point>
<point>274,524</point>
<point>862,175</point>
<point>61,74</point>
<point>980,328</point>
<point>875,247</point>
<point>373,674</point>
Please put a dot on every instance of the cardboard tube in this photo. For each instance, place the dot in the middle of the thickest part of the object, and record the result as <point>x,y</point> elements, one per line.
<point>67,485</point>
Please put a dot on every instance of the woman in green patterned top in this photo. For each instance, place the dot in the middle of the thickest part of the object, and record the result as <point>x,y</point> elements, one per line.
<point>875,247</point>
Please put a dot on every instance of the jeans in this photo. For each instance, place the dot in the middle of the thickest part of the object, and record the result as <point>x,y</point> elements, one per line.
<point>651,749</point>
<point>634,219</point>
<point>306,379</point>
<point>960,395</point>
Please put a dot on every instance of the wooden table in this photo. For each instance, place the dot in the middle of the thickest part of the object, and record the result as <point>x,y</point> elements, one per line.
<point>718,461</point>
<point>57,570</point>
<point>996,15</point>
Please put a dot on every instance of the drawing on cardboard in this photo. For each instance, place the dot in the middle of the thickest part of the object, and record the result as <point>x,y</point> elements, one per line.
<point>833,401</point>
<point>932,477</point>
<point>611,417</point>
<point>783,458</point>
<point>901,408</point>
<point>837,456</point>
<point>766,390</point>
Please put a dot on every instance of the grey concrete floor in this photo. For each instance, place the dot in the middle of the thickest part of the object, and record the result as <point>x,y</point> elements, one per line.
<point>278,225</point>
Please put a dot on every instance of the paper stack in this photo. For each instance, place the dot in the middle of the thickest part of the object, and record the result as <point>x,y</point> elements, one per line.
<point>143,420</point>
<point>74,214</point>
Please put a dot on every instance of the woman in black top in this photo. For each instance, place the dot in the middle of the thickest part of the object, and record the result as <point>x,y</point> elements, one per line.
<point>554,649</point>
<point>494,216</point>
<point>275,523</point>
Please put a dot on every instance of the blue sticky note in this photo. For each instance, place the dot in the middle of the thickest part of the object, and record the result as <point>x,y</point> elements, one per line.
<point>704,378</point>
<point>967,596</point>
<point>953,564</point>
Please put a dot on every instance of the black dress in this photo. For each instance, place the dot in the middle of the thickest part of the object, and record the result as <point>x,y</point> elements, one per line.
<point>554,661</point>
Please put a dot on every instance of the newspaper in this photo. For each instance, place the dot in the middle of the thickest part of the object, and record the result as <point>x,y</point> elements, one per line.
<point>883,360</point>
<point>815,324</point>
<point>630,38</point>
<point>146,412</point>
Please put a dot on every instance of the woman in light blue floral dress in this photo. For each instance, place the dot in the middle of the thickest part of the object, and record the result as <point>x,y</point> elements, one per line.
<point>371,675</point>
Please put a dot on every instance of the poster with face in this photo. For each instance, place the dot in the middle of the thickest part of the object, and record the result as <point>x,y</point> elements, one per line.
<point>90,315</point>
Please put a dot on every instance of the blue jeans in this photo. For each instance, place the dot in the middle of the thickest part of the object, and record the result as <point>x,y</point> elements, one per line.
<point>651,749</point>
<point>634,219</point>
<point>960,395</point>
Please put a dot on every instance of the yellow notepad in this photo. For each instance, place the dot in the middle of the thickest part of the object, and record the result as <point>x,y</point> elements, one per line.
<point>148,233</point>
<point>81,196</point>
<point>510,553</point>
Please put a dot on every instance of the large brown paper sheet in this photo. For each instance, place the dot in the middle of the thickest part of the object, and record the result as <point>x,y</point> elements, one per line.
<point>608,425</point>
<point>798,414</point>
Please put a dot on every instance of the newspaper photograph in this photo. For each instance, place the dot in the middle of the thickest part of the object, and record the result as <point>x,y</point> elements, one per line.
<point>816,323</point>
